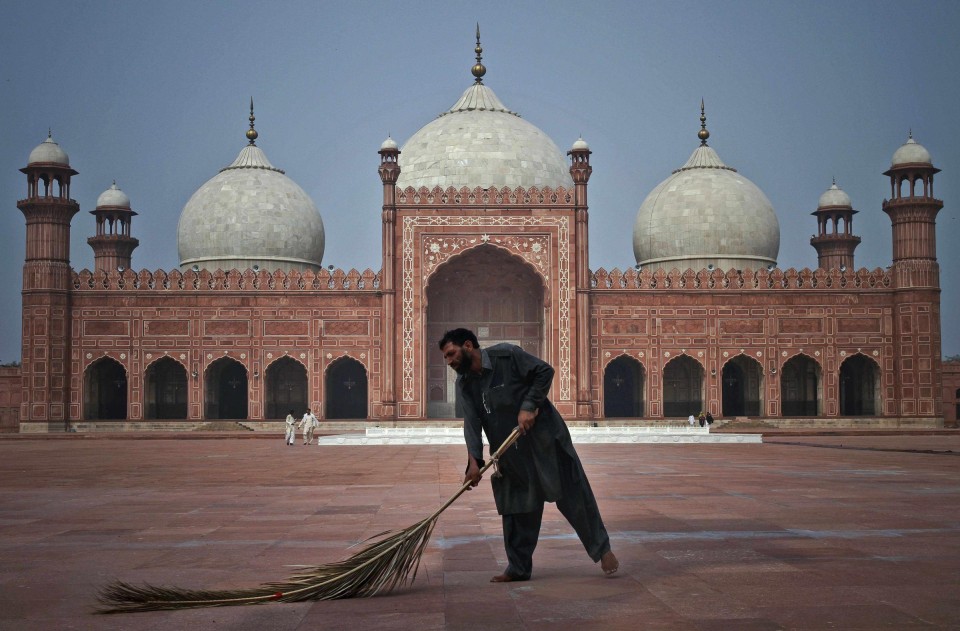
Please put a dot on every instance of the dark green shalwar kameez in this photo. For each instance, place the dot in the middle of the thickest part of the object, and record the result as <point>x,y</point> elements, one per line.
<point>542,467</point>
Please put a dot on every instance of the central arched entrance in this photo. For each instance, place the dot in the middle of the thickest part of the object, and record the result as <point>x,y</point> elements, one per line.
<point>623,388</point>
<point>491,292</point>
<point>741,380</point>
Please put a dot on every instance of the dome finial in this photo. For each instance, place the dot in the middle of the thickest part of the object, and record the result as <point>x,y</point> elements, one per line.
<point>910,133</point>
<point>49,133</point>
<point>252,133</point>
<point>703,134</point>
<point>478,69</point>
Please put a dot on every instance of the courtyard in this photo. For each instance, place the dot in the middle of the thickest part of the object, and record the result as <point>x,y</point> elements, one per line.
<point>800,532</point>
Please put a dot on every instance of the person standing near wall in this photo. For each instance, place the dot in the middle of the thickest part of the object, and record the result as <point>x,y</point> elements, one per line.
<point>291,428</point>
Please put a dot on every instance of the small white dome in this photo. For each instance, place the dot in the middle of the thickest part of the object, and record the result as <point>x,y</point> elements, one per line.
<point>580,144</point>
<point>49,152</point>
<point>911,152</point>
<point>113,196</point>
<point>249,214</point>
<point>705,214</point>
<point>389,143</point>
<point>479,142</point>
<point>834,196</point>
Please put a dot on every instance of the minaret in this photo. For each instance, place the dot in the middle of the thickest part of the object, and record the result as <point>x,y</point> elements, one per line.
<point>915,389</point>
<point>835,241</point>
<point>389,172</point>
<point>913,211</point>
<point>580,171</point>
<point>48,211</point>
<point>113,246</point>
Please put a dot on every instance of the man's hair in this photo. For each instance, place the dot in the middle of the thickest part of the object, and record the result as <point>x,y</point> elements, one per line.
<point>458,337</point>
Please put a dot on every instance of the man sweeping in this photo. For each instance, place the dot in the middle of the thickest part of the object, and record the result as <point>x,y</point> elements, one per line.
<point>500,388</point>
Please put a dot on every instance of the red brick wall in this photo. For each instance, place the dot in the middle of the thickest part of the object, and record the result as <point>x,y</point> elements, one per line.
<point>10,395</point>
<point>951,387</point>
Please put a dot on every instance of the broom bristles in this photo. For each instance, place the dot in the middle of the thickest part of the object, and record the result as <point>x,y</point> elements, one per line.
<point>390,561</point>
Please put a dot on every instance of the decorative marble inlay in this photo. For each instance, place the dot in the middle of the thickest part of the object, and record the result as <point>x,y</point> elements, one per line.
<point>448,245</point>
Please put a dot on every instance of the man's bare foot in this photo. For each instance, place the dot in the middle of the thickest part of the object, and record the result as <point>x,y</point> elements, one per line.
<point>506,578</point>
<point>609,563</point>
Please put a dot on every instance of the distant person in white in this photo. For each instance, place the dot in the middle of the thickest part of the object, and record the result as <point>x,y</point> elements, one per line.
<point>291,428</point>
<point>308,423</point>
<point>691,420</point>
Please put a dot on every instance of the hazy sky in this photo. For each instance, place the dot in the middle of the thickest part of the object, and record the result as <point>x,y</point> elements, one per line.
<point>156,96</point>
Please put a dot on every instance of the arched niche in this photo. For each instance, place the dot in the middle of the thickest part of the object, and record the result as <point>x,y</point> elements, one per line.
<point>497,295</point>
<point>859,386</point>
<point>801,389</point>
<point>623,387</point>
<point>226,390</point>
<point>105,390</point>
<point>682,387</point>
<point>286,381</point>
<point>741,384</point>
<point>165,391</point>
<point>346,390</point>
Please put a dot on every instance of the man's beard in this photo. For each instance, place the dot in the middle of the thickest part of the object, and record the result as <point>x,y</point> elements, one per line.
<point>463,362</point>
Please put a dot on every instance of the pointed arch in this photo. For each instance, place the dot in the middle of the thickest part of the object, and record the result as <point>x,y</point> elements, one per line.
<point>682,386</point>
<point>741,383</point>
<point>105,390</point>
<point>165,390</point>
<point>859,386</point>
<point>623,388</point>
<point>226,387</point>
<point>287,388</point>
<point>490,290</point>
<point>801,387</point>
<point>345,385</point>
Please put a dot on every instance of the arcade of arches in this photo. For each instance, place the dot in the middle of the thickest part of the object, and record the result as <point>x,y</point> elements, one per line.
<point>346,382</point>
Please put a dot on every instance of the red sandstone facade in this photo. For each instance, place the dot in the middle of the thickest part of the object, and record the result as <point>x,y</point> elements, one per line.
<point>780,344</point>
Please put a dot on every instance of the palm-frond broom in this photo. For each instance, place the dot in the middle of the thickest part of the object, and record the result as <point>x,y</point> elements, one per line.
<point>390,561</point>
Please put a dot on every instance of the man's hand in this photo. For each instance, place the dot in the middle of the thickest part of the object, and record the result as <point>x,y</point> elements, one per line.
<point>473,473</point>
<point>526,419</point>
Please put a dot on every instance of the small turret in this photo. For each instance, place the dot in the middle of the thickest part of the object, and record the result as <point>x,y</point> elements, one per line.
<point>835,241</point>
<point>113,246</point>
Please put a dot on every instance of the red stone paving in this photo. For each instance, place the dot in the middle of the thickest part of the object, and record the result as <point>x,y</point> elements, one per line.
<point>802,532</point>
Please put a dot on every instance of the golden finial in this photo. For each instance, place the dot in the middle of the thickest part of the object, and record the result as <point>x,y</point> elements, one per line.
<point>478,69</point>
<point>252,133</point>
<point>703,134</point>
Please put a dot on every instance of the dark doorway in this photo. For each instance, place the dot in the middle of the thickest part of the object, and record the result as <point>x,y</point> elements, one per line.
<point>682,387</point>
<point>495,294</point>
<point>105,390</point>
<point>226,387</point>
<point>741,380</point>
<point>800,387</point>
<point>166,390</point>
<point>346,389</point>
<point>623,388</point>
<point>859,380</point>
<point>286,388</point>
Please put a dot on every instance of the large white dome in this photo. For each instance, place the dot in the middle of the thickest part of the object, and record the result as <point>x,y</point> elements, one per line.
<point>479,142</point>
<point>706,214</point>
<point>250,214</point>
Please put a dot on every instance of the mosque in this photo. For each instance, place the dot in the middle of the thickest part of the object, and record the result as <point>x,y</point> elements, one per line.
<point>484,225</point>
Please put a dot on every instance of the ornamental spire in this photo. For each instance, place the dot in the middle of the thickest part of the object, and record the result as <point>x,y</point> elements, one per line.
<point>252,133</point>
<point>478,69</point>
<point>703,134</point>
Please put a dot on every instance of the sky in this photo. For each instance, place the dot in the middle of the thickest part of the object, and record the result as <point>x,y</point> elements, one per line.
<point>155,95</point>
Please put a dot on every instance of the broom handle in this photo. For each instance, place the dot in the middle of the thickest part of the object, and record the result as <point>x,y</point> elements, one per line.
<point>512,438</point>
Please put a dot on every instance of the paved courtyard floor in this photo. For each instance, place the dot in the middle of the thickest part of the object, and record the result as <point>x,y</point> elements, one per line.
<point>801,532</point>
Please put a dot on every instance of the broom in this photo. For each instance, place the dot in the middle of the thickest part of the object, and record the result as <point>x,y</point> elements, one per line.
<point>379,567</point>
